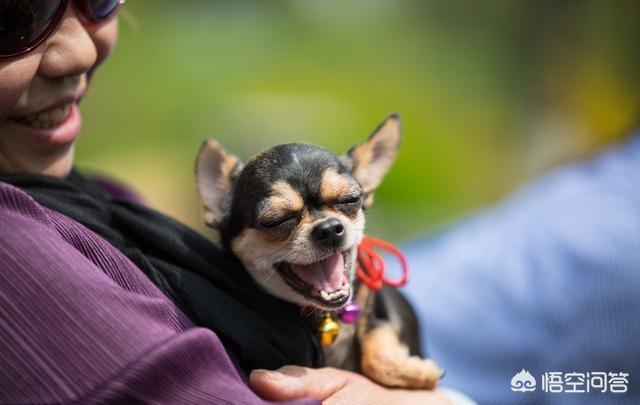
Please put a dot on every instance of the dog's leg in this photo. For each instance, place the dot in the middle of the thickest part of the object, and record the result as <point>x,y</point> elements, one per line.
<point>386,360</point>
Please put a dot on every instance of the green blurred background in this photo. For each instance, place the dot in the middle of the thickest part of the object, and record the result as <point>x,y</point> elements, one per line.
<point>492,93</point>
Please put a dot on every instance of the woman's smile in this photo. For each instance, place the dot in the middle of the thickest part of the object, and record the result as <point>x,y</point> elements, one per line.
<point>56,126</point>
<point>46,119</point>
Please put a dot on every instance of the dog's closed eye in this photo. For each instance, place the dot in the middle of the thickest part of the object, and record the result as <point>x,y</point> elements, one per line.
<point>349,205</point>
<point>283,207</point>
<point>277,221</point>
<point>350,200</point>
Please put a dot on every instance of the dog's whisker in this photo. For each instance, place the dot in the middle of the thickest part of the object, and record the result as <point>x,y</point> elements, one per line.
<point>307,310</point>
<point>270,276</point>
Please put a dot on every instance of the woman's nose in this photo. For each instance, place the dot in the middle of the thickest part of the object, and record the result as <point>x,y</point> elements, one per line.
<point>70,51</point>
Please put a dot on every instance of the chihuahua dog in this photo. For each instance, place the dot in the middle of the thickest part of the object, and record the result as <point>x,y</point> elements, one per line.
<point>294,216</point>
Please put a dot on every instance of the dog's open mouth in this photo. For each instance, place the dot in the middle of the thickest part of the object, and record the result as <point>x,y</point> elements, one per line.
<point>325,281</point>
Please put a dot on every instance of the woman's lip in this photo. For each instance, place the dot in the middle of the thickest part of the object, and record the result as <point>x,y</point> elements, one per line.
<point>62,134</point>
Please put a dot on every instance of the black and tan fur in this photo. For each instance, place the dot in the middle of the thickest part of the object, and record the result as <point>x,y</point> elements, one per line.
<point>298,204</point>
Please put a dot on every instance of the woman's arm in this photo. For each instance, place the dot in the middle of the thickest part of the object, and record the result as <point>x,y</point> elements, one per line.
<point>70,332</point>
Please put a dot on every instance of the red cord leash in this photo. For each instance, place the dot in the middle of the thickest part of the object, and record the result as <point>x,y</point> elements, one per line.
<point>371,266</point>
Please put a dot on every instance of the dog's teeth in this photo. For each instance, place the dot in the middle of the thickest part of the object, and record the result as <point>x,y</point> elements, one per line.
<point>330,296</point>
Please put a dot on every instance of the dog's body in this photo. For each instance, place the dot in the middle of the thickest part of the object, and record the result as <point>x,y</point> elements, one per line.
<point>294,215</point>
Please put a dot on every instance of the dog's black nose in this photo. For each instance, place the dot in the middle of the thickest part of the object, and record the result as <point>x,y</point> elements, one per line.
<point>328,233</point>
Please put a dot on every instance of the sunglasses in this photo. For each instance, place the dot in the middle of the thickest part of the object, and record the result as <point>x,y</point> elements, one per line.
<point>25,24</point>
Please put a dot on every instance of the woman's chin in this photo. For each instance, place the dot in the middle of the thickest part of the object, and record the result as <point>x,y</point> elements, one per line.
<point>51,159</point>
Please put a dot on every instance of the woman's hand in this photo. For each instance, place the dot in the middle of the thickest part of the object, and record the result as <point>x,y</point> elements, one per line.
<point>333,386</point>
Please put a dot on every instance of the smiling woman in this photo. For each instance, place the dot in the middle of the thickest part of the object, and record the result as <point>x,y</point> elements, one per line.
<point>104,300</point>
<point>44,75</point>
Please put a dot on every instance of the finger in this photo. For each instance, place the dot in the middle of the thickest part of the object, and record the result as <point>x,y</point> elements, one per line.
<point>293,382</point>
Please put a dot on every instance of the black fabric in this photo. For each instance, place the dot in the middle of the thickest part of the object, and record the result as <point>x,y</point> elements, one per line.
<point>210,286</point>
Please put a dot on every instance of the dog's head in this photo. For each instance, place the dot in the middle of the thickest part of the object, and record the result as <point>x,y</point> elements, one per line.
<point>294,214</point>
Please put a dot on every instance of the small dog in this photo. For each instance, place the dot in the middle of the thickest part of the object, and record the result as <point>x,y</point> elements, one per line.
<point>294,216</point>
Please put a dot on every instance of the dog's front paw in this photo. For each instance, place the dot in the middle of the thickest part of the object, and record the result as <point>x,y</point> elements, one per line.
<point>386,360</point>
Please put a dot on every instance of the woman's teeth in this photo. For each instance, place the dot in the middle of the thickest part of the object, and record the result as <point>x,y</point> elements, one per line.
<point>46,119</point>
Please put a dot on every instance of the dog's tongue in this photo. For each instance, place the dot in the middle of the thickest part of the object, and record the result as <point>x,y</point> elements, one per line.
<point>326,274</point>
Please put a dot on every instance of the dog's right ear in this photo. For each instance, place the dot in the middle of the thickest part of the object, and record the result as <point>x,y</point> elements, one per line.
<point>216,172</point>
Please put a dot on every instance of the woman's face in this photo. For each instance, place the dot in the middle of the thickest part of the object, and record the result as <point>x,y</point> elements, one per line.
<point>40,92</point>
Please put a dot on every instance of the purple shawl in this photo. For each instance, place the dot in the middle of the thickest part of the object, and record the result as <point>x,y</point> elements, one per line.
<point>79,322</point>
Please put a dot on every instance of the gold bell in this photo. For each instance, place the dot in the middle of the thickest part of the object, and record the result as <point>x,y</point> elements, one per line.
<point>328,330</point>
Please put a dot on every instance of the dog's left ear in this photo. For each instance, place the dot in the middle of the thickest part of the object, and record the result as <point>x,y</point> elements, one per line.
<point>216,172</point>
<point>370,161</point>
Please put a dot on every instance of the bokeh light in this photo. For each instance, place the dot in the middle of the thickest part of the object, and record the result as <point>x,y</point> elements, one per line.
<point>491,93</point>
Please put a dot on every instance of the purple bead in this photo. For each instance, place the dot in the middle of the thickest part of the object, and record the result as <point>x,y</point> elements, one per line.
<point>350,313</point>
